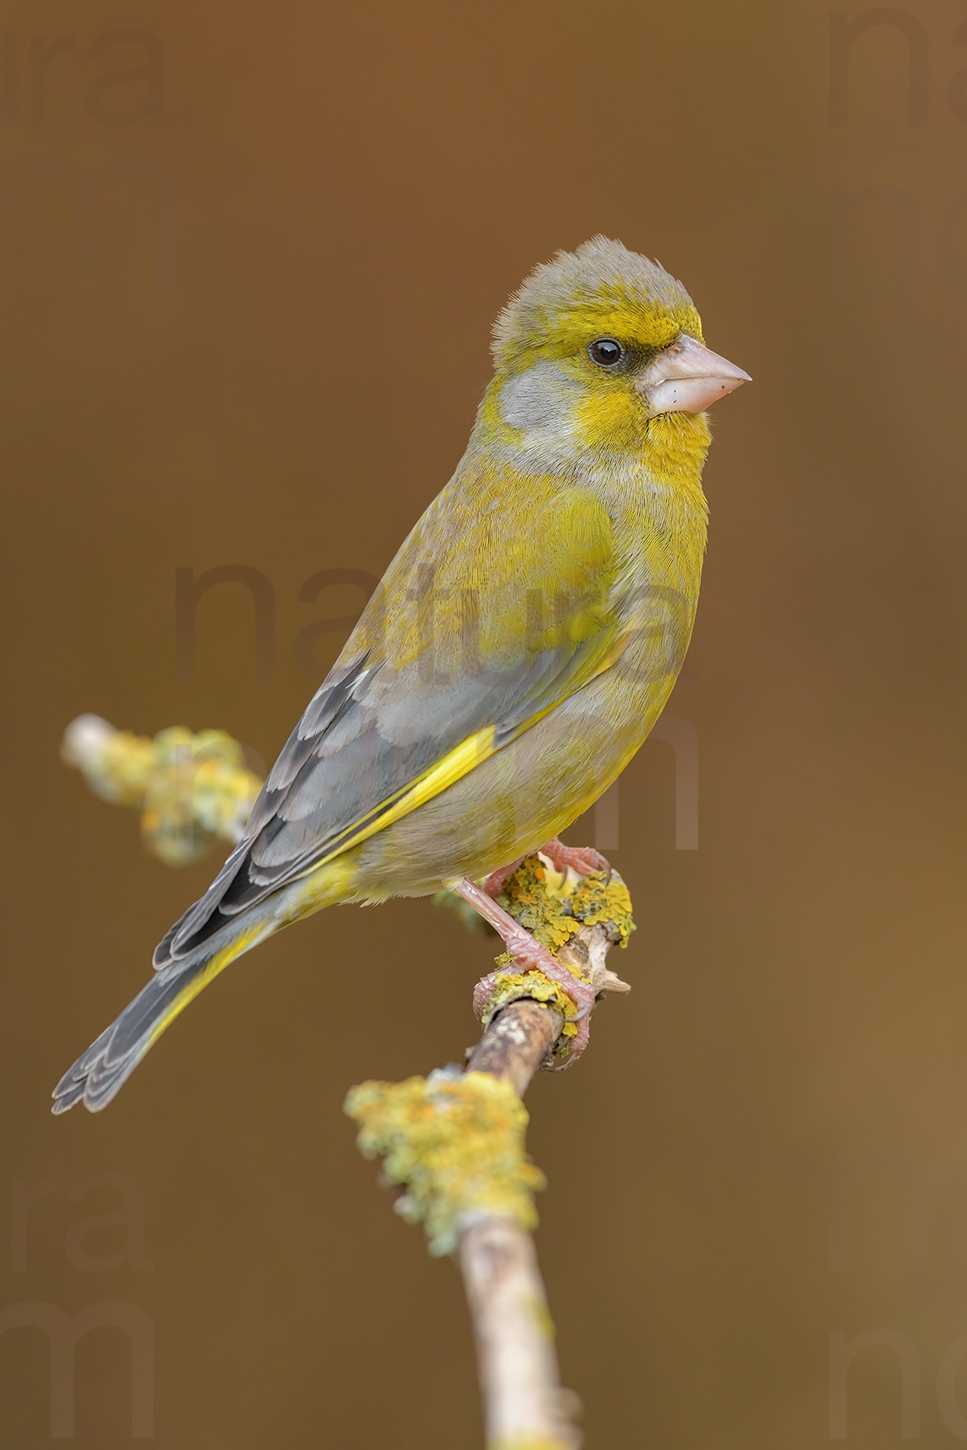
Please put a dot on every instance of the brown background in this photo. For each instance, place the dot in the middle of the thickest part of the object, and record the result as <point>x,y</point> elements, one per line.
<point>285,384</point>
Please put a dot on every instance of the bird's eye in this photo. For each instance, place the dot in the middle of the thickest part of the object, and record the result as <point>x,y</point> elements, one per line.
<point>606,352</point>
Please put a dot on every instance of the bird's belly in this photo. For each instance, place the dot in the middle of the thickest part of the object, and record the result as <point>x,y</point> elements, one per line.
<point>519,798</point>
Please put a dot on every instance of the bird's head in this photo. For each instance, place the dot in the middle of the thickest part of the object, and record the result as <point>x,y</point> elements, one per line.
<point>601,351</point>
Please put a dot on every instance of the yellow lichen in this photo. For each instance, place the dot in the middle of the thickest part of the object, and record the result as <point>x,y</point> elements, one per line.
<point>190,789</point>
<point>530,1442</point>
<point>455,1141</point>
<point>512,986</point>
<point>553,906</point>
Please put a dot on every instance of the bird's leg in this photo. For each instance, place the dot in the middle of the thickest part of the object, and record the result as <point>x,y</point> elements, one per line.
<point>497,880</point>
<point>583,859</point>
<point>530,955</point>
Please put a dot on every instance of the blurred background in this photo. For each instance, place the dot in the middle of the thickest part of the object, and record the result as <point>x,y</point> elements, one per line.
<point>249,258</point>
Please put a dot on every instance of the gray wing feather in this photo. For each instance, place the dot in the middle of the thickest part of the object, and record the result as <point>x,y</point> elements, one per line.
<point>366,735</point>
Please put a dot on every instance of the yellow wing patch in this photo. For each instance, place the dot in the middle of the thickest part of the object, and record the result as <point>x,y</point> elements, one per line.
<point>453,767</point>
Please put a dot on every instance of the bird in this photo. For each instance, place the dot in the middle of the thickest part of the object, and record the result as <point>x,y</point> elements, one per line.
<point>514,657</point>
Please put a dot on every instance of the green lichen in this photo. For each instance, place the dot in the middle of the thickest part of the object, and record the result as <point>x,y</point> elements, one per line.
<point>455,1142</point>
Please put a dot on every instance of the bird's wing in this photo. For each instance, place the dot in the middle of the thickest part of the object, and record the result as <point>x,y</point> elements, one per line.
<point>495,609</point>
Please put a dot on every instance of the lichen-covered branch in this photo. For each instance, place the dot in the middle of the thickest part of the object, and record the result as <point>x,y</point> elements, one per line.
<point>190,789</point>
<point>455,1143</point>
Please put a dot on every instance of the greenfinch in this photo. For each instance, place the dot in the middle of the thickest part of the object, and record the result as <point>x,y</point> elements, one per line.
<point>515,655</point>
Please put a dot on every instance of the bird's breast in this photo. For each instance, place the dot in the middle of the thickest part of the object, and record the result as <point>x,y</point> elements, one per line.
<point>659,539</point>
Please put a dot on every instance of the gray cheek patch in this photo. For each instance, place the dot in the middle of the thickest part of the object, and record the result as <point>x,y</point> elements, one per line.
<point>537,398</point>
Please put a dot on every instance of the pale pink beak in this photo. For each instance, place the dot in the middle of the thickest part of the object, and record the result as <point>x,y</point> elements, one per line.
<point>687,377</point>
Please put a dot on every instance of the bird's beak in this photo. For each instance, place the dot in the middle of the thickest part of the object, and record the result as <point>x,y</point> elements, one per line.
<point>687,377</point>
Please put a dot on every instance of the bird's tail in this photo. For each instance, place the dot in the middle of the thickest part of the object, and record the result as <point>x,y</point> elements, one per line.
<point>97,1076</point>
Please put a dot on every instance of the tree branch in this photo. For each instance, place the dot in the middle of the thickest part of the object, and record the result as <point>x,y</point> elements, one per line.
<point>456,1146</point>
<point>524,1403</point>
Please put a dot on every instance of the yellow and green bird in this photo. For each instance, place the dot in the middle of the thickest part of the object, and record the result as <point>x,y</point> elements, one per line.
<point>515,655</point>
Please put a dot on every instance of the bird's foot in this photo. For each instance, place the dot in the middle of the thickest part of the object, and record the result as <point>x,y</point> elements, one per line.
<point>529,955</point>
<point>582,859</point>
